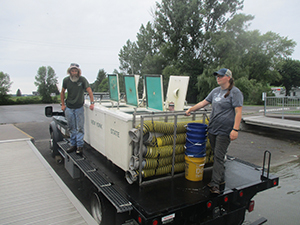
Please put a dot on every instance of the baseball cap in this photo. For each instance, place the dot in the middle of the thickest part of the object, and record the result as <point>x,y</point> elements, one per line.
<point>224,72</point>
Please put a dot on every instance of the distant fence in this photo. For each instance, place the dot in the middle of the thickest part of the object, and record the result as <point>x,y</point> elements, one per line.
<point>283,106</point>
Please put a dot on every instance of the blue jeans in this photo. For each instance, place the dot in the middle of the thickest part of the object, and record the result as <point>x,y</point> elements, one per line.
<point>75,118</point>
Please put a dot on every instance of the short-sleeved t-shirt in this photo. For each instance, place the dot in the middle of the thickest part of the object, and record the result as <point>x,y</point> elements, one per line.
<point>75,90</point>
<point>223,110</point>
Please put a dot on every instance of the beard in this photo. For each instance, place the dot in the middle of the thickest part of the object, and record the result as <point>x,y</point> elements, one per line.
<point>74,78</point>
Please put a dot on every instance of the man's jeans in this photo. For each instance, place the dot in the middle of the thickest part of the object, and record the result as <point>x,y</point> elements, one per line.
<point>75,118</point>
<point>219,145</point>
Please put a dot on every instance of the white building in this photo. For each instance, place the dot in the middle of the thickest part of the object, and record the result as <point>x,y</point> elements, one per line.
<point>280,92</point>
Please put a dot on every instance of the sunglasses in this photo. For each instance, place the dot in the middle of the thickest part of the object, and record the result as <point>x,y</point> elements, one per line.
<point>74,64</point>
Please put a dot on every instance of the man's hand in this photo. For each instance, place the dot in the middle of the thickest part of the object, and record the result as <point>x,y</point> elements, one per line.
<point>63,107</point>
<point>92,107</point>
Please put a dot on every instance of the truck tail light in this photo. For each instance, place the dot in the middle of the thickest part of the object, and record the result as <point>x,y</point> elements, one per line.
<point>251,206</point>
<point>275,182</point>
<point>241,193</point>
<point>226,199</point>
<point>140,220</point>
<point>154,222</point>
<point>209,204</point>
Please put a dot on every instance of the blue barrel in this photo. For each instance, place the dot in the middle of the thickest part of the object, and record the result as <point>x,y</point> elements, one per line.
<point>195,145</point>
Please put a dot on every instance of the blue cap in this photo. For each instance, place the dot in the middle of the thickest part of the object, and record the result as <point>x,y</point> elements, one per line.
<point>224,72</point>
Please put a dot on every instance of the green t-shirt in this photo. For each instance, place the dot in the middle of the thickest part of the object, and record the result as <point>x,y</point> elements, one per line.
<point>76,90</point>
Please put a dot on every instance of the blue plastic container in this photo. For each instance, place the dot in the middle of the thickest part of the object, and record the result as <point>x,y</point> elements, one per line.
<point>195,149</point>
<point>196,138</point>
<point>200,128</point>
<point>195,145</point>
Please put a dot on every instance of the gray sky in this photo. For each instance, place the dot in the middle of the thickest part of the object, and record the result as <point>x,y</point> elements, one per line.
<point>54,33</point>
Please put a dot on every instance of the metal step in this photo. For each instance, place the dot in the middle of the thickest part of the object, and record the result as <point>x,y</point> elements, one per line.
<point>106,188</point>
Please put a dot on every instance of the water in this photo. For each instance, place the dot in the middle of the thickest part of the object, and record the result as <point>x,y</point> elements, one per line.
<point>280,205</point>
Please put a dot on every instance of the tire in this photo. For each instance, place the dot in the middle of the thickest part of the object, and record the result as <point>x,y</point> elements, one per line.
<point>55,136</point>
<point>97,209</point>
<point>102,210</point>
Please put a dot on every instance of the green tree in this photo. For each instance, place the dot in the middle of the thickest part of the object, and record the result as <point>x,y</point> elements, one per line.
<point>206,82</point>
<point>264,54</point>
<point>290,72</point>
<point>4,84</point>
<point>179,38</point>
<point>197,37</point>
<point>129,58</point>
<point>19,93</point>
<point>100,77</point>
<point>252,57</point>
<point>46,82</point>
<point>133,54</point>
<point>103,86</point>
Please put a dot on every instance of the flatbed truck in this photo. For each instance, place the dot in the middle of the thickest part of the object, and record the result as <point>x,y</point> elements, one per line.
<point>169,199</point>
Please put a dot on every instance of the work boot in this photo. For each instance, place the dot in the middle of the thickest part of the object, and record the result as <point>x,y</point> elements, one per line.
<point>211,184</point>
<point>79,151</point>
<point>71,149</point>
<point>215,190</point>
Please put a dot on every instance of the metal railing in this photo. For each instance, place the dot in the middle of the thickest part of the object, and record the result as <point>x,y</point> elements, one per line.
<point>174,117</point>
<point>284,106</point>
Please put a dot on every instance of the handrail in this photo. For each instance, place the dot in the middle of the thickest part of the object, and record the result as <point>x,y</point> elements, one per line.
<point>263,177</point>
<point>152,115</point>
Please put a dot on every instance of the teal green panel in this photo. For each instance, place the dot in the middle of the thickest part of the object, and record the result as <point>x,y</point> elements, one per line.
<point>130,90</point>
<point>113,87</point>
<point>154,92</point>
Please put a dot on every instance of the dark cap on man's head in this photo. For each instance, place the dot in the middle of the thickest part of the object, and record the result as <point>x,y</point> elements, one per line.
<point>224,72</point>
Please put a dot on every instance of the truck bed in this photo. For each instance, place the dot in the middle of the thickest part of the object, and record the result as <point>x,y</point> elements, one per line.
<point>171,194</point>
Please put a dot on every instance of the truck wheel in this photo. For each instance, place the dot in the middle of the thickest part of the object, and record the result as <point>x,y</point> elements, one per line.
<point>51,144</point>
<point>58,159</point>
<point>97,207</point>
<point>55,136</point>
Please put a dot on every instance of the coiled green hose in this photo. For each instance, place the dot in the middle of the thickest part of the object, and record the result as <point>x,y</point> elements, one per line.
<point>163,151</point>
<point>179,167</point>
<point>167,139</point>
<point>161,162</point>
<point>165,127</point>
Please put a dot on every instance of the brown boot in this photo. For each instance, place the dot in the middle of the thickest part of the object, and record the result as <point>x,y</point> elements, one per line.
<point>79,151</point>
<point>71,149</point>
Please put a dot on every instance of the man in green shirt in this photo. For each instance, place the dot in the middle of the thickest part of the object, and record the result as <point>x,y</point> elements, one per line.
<point>74,111</point>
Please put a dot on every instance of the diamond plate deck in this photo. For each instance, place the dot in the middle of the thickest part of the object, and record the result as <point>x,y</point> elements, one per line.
<point>105,187</point>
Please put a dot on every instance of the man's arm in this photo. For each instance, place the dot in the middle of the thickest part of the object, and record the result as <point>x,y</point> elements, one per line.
<point>62,99</point>
<point>89,91</point>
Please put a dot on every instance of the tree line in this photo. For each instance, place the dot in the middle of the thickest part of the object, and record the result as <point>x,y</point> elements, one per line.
<point>195,38</point>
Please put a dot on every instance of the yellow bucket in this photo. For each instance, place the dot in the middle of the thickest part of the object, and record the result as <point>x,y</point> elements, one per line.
<point>194,168</point>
